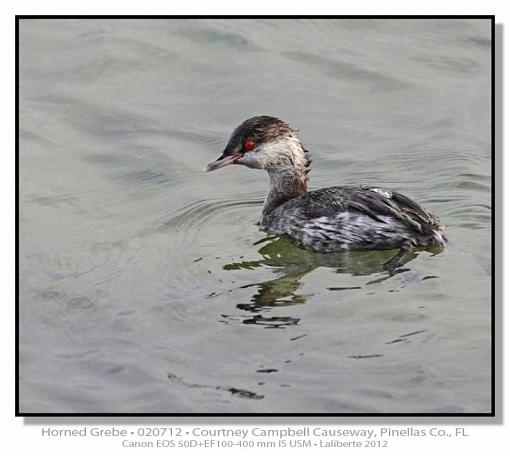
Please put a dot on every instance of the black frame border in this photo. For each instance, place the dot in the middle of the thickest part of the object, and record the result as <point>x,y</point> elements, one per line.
<point>492,413</point>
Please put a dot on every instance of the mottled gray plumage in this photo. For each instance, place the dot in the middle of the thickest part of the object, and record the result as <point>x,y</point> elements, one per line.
<point>354,218</point>
<point>330,219</point>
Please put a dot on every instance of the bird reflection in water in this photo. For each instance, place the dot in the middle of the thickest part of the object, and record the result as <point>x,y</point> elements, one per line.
<point>292,264</point>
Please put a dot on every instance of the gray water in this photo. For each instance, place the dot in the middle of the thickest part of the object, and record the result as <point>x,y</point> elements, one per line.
<point>145,283</point>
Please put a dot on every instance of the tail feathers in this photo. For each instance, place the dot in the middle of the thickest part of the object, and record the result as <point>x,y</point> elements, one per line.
<point>439,235</point>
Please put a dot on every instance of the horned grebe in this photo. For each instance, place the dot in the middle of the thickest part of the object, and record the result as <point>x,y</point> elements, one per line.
<point>330,219</point>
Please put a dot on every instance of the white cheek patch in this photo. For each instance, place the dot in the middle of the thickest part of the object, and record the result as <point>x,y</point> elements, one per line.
<point>251,159</point>
<point>274,154</point>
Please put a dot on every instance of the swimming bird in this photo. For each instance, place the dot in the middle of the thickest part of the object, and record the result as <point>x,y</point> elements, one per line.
<point>330,219</point>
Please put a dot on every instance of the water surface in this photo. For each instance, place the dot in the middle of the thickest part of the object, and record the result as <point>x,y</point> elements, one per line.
<point>146,285</point>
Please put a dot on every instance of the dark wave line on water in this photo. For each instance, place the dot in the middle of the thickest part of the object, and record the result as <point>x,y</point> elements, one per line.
<point>405,337</point>
<point>271,322</point>
<point>238,392</point>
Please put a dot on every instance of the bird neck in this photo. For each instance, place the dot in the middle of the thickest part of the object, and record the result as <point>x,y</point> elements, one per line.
<point>285,183</point>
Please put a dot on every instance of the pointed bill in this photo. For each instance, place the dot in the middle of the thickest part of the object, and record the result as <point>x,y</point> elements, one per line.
<point>221,161</point>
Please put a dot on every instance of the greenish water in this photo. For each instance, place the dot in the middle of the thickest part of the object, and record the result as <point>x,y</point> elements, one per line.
<point>145,283</point>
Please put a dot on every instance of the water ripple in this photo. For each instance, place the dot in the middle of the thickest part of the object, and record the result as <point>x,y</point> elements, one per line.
<point>189,219</point>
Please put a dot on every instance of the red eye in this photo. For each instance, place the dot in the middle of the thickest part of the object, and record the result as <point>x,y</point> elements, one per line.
<point>249,144</point>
